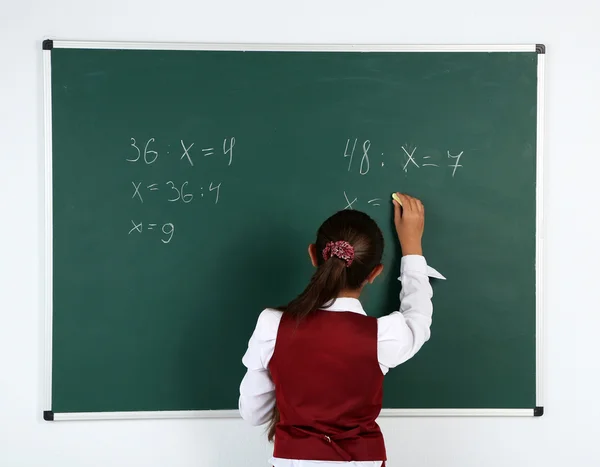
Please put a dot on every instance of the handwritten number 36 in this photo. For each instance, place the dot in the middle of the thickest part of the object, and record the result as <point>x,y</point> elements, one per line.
<point>148,153</point>
<point>186,198</point>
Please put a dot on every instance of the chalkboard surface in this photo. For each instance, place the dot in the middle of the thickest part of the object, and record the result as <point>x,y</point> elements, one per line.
<point>186,186</point>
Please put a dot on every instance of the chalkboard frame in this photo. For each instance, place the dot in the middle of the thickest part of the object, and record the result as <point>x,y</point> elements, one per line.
<point>49,44</point>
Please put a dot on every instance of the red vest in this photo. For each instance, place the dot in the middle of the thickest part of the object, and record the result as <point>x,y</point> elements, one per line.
<point>329,388</point>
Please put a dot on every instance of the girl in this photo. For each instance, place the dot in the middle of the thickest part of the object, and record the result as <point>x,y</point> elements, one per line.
<point>315,367</point>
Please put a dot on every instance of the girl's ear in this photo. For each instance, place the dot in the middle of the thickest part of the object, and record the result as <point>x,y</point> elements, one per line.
<point>312,252</point>
<point>374,273</point>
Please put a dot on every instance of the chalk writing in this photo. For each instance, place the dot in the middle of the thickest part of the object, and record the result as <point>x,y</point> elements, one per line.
<point>136,191</point>
<point>348,202</point>
<point>186,152</point>
<point>374,202</point>
<point>456,165</point>
<point>428,164</point>
<point>365,163</point>
<point>148,160</point>
<point>365,157</point>
<point>137,227</point>
<point>178,192</point>
<point>351,155</point>
<point>191,153</point>
<point>150,155</point>
<point>411,157</point>
<point>168,229</point>
<point>218,188</point>
<point>229,150</point>
<point>181,195</point>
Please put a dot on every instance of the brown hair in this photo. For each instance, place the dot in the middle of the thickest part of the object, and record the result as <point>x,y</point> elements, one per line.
<point>332,275</point>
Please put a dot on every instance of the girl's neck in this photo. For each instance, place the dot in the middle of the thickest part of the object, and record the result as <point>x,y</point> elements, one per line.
<point>350,293</point>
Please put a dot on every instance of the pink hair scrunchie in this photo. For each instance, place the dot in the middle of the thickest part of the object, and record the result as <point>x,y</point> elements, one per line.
<point>340,249</point>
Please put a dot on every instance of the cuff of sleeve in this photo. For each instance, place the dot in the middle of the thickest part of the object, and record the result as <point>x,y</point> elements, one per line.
<point>418,264</point>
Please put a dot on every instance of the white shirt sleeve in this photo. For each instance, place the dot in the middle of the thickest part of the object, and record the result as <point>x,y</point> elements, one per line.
<point>401,334</point>
<point>257,391</point>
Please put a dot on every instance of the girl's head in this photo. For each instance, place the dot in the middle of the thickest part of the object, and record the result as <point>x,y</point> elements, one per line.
<point>347,254</point>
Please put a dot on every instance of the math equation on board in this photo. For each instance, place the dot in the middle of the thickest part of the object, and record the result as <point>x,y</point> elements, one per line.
<point>148,190</point>
<point>359,157</point>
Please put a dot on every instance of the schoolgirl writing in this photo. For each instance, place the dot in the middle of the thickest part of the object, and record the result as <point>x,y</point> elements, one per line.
<point>315,366</point>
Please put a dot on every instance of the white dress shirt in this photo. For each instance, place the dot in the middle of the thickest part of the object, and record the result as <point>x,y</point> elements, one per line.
<point>400,335</point>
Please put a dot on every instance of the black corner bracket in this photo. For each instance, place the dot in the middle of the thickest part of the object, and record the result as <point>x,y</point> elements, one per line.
<point>48,44</point>
<point>540,49</point>
<point>48,415</point>
<point>538,411</point>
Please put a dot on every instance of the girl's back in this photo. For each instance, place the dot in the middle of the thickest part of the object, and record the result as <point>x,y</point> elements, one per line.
<point>316,365</point>
<point>323,355</point>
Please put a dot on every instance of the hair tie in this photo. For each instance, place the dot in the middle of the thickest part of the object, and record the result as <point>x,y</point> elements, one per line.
<point>340,249</point>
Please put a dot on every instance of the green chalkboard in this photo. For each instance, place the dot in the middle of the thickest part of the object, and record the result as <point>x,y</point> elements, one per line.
<point>186,185</point>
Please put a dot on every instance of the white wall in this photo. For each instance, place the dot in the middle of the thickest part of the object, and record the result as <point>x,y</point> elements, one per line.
<point>568,433</point>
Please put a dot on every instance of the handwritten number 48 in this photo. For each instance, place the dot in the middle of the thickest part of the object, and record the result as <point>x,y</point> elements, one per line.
<point>365,164</point>
<point>150,156</point>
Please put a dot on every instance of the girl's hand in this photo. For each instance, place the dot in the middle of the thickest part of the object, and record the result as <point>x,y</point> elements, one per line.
<point>410,223</point>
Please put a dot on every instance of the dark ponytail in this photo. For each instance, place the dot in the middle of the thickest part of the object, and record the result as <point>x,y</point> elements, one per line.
<point>333,275</point>
<point>325,284</point>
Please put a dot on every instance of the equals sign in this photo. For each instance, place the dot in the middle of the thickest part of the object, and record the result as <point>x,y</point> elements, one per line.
<point>208,151</point>
<point>151,226</point>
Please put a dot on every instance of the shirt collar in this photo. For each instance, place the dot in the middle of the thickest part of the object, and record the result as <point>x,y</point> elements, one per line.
<point>352,305</point>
